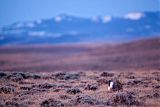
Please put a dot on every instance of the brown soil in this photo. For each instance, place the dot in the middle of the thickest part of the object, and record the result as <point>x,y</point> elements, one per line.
<point>61,89</point>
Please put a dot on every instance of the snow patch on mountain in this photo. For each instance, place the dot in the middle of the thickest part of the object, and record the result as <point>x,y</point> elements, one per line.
<point>39,21</point>
<point>134,16</point>
<point>96,19</point>
<point>107,19</point>
<point>24,24</point>
<point>44,34</point>
<point>61,17</point>
<point>29,24</point>
<point>13,31</point>
<point>37,33</point>
<point>58,18</point>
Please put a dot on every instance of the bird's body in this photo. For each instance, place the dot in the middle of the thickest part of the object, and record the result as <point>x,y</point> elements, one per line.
<point>110,86</point>
<point>114,85</point>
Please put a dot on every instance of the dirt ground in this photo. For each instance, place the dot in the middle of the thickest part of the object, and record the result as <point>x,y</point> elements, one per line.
<point>79,89</point>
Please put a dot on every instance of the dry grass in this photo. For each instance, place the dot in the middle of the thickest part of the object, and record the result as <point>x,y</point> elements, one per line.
<point>143,54</point>
<point>135,64</point>
<point>145,90</point>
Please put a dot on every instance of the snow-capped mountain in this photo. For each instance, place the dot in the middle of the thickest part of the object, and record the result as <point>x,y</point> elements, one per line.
<point>70,29</point>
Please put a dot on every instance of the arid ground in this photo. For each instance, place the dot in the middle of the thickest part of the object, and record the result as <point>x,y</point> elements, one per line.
<point>79,89</point>
<point>142,54</point>
<point>77,76</point>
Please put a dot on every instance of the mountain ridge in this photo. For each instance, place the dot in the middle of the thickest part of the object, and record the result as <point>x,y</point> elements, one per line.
<point>70,29</point>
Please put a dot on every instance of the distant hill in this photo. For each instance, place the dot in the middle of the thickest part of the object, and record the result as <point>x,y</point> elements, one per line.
<point>141,54</point>
<point>64,29</point>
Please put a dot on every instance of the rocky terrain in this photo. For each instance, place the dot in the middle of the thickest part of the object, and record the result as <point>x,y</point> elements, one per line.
<point>79,89</point>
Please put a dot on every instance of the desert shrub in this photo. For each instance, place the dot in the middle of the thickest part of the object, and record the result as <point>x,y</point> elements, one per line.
<point>16,77</point>
<point>85,99</point>
<point>51,103</point>
<point>73,91</point>
<point>64,97</point>
<point>91,87</point>
<point>2,75</point>
<point>14,104</point>
<point>7,90</point>
<point>106,74</point>
<point>102,81</point>
<point>123,98</point>
<point>47,86</point>
<point>67,76</point>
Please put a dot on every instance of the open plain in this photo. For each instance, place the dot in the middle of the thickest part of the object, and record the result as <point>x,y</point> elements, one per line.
<point>77,76</point>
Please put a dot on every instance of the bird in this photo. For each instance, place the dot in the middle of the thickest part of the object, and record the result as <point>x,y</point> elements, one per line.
<point>114,85</point>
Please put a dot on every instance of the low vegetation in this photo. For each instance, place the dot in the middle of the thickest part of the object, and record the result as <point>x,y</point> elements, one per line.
<point>79,89</point>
